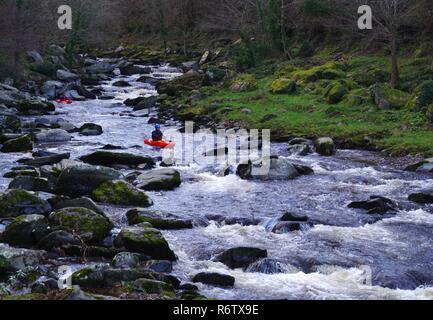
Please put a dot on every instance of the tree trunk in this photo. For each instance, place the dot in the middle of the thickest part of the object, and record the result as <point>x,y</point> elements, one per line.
<point>395,74</point>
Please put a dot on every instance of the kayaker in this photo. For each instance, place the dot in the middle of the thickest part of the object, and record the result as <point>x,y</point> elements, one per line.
<point>157,135</point>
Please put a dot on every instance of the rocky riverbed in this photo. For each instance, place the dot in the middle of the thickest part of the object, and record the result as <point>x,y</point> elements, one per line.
<point>79,189</point>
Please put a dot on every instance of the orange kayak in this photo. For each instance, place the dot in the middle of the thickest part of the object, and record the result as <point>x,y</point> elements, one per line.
<point>160,144</point>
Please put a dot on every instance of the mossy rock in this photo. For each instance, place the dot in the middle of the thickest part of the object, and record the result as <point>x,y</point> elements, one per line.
<point>26,231</point>
<point>325,146</point>
<point>14,203</point>
<point>35,107</point>
<point>87,224</point>
<point>386,97</point>
<point>121,193</point>
<point>283,86</point>
<point>45,68</point>
<point>328,71</point>
<point>21,173</point>
<point>89,277</point>
<point>175,88</point>
<point>145,240</point>
<point>244,83</point>
<point>357,97</point>
<point>157,219</point>
<point>21,144</point>
<point>157,180</point>
<point>422,96</point>
<point>336,93</point>
<point>153,286</point>
<point>370,76</point>
<point>284,70</point>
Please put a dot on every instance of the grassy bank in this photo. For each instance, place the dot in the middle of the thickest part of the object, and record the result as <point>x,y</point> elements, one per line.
<point>332,98</point>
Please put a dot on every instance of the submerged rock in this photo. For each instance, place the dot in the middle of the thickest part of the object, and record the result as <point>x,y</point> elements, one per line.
<point>90,129</point>
<point>268,266</point>
<point>14,203</point>
<point>81,180</point>
<point>325,146</point>
<point>145,240</point>
<point>241,257</point>
<point>215,279</point>
<point>87,224</point>
<point>161,179</point>
<point>109,159</point>
<point>26,231</point>
<point>121,193</point>
<point>422,198</point>
<point>157,219</point>
<point>376,205</point>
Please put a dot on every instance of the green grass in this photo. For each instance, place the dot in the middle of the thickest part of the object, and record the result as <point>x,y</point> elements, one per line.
<point>308,115</point>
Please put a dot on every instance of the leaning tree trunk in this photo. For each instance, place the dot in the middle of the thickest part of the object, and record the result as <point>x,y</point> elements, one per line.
<point>395,74</point>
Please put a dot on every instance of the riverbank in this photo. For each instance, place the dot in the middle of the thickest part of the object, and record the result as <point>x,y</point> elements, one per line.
<point>341,95</point>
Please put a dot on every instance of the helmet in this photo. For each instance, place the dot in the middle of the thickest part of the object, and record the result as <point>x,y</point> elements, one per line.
<point>157,126</point>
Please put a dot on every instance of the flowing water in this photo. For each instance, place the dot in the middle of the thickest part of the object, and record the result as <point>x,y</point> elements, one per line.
<point>332,260</point>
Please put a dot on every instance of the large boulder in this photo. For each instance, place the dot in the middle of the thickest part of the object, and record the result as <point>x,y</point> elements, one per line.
<point>81,180</point>
<point>14,203</point>
<point>101,68</point>
<point>157,219</point>
<point>47,160</point>
<point>283,86</point>
<point>375,205</point>
<point>386,97</point>
<point>325,146</point>
<point>60,202</point>
<point>421,197</point>
<point>121,193</point>
<point>67,76</point>
<point>19,259</point>
<point>215,279</point>
<point>425,166</point>
<point>127,260</point>
<point>58,239</point>
<point>20,144</point>
<point>161,179</point>
<point>279,169</point>
<point>35,107</point>
<point>109,159</point>
<point>30,184</point>
<point>244,83</point>
<point>146,103</point>
<point>87,224</point>
<point>241,257</point>
<point>336,92</point>
<point>91,129</point>
<point>145,240</point>
<point>26,231</point>
<point>131,70</point>
<point>53,136</point>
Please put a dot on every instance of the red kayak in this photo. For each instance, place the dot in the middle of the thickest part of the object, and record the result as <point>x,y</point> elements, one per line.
<point>160,144</point>
<point>64,101</point>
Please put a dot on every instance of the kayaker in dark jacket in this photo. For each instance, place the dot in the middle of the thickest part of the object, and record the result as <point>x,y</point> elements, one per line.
<point>157,135</point>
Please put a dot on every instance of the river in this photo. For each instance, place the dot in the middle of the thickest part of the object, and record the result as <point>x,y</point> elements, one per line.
<point>331,260</point>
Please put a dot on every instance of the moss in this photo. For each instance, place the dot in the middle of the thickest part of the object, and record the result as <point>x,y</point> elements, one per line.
<point>283,86</point>
<point>329,71</point>
<point>357,97</point>
<point>386,97</point>
<point>25,297</point>
<point>422,97</point>
<point>91,226</point>
<point>244,83</point>
<point>121,193</point>
<point>20,144</point>
<point>16,202</point>
<point>336,93</point>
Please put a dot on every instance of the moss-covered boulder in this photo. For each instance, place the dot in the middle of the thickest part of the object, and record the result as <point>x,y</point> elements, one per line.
<point>21,144</point>
<point>157,180</point>
<point>45,68</point>
<point>157,219</point>
<point>60,202</point>
<point>325,146</point>
<point>336,93</point>
<point>26,231</point>
<point>85,223</point>
<point>35,107</point>
<point>109,159</point>
<point>30,172</point>
<point>145,240</point>
<point>91,129</point>
<point>121,193</point>
<point>422,96</point>
<point>8,122</point>
<point>81,180</point>
<point>370,76</point>
<point>244,83</point>
<point>328,71</point>
<point>283,86</point>
<point>153,287</point>
<point>14,203</point>
<point>357,97</point>
<point>184,84</point>
<point>386,97</point>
